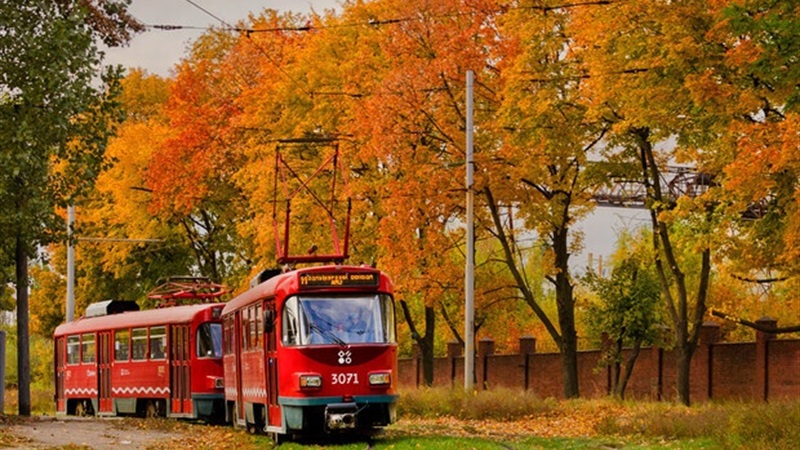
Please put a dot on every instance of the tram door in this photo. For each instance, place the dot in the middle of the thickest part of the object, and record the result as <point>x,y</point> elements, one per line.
<point>238,414</point>
<point>104,400</point>
<point>60,364</point>
<point>272,367</point>
<point>180,377</point>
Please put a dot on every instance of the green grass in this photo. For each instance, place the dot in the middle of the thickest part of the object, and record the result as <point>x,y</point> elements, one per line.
<point>454,419</point>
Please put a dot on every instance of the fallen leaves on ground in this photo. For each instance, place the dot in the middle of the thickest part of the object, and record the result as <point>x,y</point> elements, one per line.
<point>571,422</point>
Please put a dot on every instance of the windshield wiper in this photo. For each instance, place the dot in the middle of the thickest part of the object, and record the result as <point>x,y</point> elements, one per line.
<point>328,334</point>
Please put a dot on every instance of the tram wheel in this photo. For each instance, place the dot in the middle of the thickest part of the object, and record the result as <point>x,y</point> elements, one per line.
<point>151,409</point>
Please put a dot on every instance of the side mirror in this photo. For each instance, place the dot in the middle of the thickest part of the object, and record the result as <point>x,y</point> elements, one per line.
<point>269,320</point>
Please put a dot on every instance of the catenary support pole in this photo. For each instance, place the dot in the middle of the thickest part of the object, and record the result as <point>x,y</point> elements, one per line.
<point>469,279</point>
<point>70,264</point>
<point>2,371</point>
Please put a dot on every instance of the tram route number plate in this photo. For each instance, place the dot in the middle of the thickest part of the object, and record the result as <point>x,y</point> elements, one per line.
<point>344,378</point>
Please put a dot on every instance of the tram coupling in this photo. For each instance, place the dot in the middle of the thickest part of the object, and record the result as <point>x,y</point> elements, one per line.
<point>341,416</point>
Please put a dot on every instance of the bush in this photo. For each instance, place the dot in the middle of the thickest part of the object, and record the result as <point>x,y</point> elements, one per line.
<point>762,426</point>
<point>731,425</point>
<point>497,404</point>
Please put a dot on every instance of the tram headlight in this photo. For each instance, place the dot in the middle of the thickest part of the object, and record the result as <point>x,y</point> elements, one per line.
<point>380,378</point>
<point>310,381</point>
<point>215,382</point>
<point>219,383</point>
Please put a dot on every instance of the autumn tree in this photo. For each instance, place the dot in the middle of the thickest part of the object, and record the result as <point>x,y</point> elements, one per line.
<point>753,91</point>
<point>274,103</point>
<point>356,90</point>
<point>626,311</point>
<point>55,121</point>
<point>409,126</point>
<point>190,176</point>
<point>641,75</point>
<point>539,170</point>
<point>122,251</point>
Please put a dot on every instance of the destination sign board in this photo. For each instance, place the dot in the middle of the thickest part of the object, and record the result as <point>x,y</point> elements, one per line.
<point>338,279</point>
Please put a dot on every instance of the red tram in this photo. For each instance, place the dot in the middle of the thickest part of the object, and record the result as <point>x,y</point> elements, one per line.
<point>311,350</point>
<point>160,362</point>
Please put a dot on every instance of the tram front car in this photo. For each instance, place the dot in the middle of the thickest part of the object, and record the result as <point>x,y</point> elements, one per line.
<point>334,363</point>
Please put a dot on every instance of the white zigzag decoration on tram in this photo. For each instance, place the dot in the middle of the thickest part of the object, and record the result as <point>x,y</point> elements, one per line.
<point>140,390</point>
<point>80,391</point>
<point>254,392</point>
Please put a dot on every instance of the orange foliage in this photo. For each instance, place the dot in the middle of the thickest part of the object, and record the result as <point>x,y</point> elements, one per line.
<point>196,154</point>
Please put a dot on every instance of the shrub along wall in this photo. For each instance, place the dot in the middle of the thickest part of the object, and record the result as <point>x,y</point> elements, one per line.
<point>767,369</point>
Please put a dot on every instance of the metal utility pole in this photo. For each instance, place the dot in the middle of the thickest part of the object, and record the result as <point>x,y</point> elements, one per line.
<point>71,240</point>
<point>469,279</point>
<point>70,264</point>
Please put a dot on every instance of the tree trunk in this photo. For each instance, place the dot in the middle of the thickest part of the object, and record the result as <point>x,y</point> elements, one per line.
<point>23,336</point>
<point>615,367</point>
<point>683,358</point>
<point>569,369</point>
<point>671,274</point>
<point>566,316</point>
<point>626,375</point>
<point>425,342</point>
<point>426,345</point>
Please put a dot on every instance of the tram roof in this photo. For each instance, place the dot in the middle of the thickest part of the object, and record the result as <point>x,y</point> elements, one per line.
<point>150,317</point>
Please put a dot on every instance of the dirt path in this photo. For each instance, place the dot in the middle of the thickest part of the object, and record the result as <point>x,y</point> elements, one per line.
<point>39,432</point>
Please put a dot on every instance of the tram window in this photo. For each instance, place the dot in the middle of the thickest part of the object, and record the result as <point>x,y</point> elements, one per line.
<point>245,330</point>
<point>87,348</point>
<point>73,349</point>
<point>231,334</point>
<point>121,345</point>
<point>158,342</point>
<point>139,344</point>
<point>289,332</point>
<point>259,319</point>
<point>209,340</point>
<point>227,338</point>
<point>387,313</point>
<point>251,330</point>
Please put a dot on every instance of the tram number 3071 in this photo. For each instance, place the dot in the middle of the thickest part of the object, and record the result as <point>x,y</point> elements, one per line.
<point>344,378</point>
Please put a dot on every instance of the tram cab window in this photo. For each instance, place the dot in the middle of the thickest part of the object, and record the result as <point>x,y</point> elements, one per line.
<point>73,349</point>
<point>158,342</point>
<point>209,340</point>
<point>289,332</point>
<point>87,348</point>
<point>121,345</point>
<point>362,319</point>
<point>139,344</point>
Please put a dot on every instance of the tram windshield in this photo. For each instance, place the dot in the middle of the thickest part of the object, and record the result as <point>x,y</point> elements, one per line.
<point>362,319</point>
<point>209,340</point>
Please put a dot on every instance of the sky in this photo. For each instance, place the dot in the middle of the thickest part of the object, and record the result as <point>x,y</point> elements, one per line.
<point>159,51</point>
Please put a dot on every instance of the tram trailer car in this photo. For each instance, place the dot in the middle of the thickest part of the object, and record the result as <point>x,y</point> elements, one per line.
<point>162,362</point>
<point>312,350</point>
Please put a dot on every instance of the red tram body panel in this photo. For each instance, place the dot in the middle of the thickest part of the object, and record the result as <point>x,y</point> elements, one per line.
<point>312,350</point>
<point>160,362</point>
